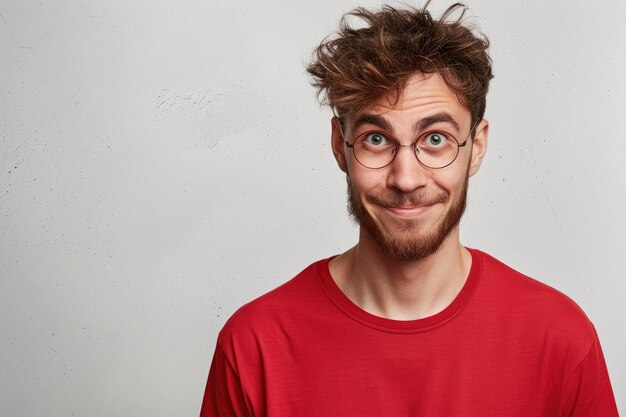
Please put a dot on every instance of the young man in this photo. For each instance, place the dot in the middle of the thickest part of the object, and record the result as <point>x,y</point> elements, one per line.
<point>408,322</point>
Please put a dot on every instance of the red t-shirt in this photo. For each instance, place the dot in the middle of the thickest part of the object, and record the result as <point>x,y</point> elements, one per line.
<point>506,346</point>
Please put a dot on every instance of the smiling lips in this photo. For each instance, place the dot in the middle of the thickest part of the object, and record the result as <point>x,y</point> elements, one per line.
<point>408,211</point>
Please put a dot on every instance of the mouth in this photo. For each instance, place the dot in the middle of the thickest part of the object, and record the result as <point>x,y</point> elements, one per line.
<point>406,211</point>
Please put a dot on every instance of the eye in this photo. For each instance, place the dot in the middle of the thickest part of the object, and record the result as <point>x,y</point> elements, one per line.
<point>434,140</point>
<point>376,139</point>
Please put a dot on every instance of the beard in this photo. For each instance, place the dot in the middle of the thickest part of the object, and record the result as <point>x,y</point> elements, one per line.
<point>410,243</point>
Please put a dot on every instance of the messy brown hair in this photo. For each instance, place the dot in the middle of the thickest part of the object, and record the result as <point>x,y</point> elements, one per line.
<point>359,66</point>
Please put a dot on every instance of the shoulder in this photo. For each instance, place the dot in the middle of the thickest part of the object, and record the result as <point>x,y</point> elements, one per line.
<point>537,304</point>
<point>262,317</point>
<point>534,316</point>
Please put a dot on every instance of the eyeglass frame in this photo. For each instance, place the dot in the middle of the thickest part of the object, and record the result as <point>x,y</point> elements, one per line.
<point>414,144</point>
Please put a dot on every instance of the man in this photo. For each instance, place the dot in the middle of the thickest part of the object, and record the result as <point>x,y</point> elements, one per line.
<point>408,322</point>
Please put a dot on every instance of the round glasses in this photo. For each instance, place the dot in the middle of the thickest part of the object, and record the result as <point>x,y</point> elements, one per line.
<point>434,149</point>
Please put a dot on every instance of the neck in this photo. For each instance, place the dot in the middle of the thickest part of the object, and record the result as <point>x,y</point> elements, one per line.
<point>402,290</point>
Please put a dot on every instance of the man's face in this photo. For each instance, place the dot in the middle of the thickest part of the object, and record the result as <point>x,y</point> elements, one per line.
<point>405,207</point>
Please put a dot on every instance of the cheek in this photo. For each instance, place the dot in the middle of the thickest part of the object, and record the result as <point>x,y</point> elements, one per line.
<point>451,180</point>
<point>368,182</point>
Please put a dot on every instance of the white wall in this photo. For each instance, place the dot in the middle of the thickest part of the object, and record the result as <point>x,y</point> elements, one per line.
<point>161,163</point>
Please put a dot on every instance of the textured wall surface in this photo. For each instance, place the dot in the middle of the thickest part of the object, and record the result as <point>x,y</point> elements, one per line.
<point>162,163</point>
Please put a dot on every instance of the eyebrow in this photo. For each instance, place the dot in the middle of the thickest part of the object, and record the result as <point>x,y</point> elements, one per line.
<point>372,119</point>
<point>441,117</point>
<point>381,122</point>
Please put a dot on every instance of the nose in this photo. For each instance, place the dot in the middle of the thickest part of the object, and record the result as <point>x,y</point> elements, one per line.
<point>406,172</point>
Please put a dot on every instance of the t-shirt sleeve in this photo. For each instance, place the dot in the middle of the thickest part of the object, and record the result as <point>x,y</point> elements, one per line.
<point>223,395</point>
<point>588,390</point>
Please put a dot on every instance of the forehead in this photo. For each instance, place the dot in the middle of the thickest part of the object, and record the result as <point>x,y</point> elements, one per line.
<point>423,96</point>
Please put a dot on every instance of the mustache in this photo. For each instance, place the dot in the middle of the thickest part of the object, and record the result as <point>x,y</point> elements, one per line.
<point>395,199</point>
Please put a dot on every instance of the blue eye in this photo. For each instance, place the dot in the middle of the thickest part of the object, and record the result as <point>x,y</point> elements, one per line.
<point>435,140</point>
<point>376,139</point>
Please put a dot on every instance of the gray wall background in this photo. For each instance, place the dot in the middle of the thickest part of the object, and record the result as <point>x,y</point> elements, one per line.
<point>162,163</point>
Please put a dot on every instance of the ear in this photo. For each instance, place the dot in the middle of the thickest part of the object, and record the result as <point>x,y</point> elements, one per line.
<point>479,146</point>
<point>338,145</point>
